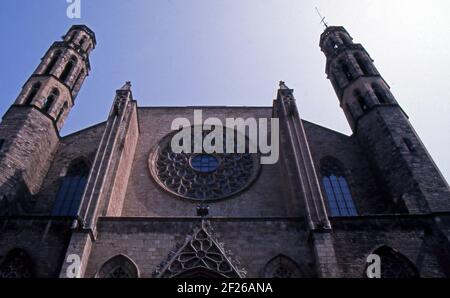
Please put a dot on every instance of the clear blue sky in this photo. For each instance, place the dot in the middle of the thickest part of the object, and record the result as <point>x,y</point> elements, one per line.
<point>230,52</point>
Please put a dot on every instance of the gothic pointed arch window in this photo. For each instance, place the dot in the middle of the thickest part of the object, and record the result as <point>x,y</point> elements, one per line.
<point>380,93</point>
<point>68,69</point>
<point>118,267</point>
<point>346,70</point>
<point>345,38</point>
<point>62,110</point>
<point>52,62</point>
<point>361,100</point>
<point>72,37</point>
<point>48,103</point>
<point>283,267</point>
<point>394,264</point>
<point>336,188</point>
<point>82,41</point>
<point>16,264</point>
<point>81,76</point>
<point>362,63</point>
<point>32,94</point>
<point>71,190</point>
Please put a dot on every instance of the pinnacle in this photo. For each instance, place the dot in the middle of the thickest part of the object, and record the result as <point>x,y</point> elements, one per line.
<point>126,87</point>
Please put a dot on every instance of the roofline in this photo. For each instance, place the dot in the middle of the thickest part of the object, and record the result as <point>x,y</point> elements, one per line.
<point>330,29</point>
<point>206,107</point>
<point>88,31</point>
<point>329,129</point>
<point>82,130</point>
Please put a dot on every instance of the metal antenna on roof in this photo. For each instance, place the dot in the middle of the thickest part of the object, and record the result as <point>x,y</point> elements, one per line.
<point>322,19</point>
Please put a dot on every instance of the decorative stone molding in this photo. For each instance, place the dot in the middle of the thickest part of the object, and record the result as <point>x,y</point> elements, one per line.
<point>200,255</point>
<point>174,173</point>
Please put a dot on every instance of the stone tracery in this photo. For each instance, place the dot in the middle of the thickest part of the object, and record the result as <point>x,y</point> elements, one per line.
<point>174,172</point>
<point>200,255</point>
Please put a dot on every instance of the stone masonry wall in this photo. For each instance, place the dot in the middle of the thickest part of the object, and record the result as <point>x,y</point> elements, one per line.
<point>356,238</point>
<point>82,144</point>
<point>30,141</point>
<point>328,143</point>
<point>147,241</point>
<point>408,172</point>
<point>122,173</point>
<point>265,197</point>
<point>44,239</point>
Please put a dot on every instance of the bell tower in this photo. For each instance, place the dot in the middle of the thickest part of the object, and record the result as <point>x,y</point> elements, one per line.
<point>406,172</point>
<point>29,131</point>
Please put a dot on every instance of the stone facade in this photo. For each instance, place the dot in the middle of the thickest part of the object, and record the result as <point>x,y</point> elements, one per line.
<point>328,203</point>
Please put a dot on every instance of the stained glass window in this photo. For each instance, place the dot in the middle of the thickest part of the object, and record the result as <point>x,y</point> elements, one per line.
<point>203,176</point>
<point>71,190</point>
<point>337,191</point>
<point>204,163</point>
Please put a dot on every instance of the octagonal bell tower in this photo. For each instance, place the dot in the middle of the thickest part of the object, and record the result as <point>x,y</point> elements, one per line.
<point>29,131</point>
<point>407,175</point>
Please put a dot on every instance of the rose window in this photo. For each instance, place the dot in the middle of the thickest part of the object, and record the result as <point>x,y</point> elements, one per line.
<point>202,176</point>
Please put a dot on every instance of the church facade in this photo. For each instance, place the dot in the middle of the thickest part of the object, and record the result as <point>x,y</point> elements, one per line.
<point>113,200</point>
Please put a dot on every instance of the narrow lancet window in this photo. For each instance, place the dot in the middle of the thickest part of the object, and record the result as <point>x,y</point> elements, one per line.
<point>71,190</point>
<point>336,188</point>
